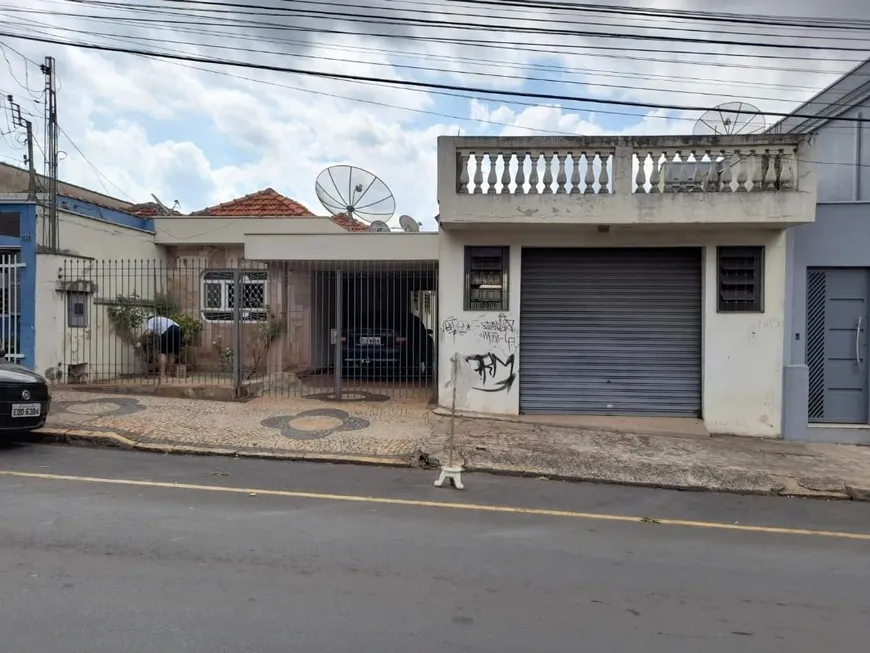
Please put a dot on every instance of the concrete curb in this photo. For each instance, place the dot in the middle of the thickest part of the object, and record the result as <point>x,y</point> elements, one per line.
<point>115,440</point>
<point>736,483</point>
<point>781,487</point>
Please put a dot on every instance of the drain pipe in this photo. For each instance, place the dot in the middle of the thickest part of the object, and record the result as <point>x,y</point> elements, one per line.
<point>859,137</point>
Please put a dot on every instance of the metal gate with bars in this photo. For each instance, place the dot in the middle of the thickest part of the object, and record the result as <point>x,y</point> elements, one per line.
<point>349,329</point>
<point>10,306</point>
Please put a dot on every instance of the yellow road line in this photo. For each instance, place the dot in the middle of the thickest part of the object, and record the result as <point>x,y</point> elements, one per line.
<point>441,504</point>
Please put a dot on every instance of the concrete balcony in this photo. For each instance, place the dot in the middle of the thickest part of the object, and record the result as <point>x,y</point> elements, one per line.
<point>765,181</point>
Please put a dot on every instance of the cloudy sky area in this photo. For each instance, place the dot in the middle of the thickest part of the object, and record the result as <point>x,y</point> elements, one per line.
<point>206,133</point>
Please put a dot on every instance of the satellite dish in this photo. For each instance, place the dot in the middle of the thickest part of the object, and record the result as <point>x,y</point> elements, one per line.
<point>730,119</point>
<point>408,224</point>
<point>379,227</point>
<point>162,208</point>
<point>356,193</point>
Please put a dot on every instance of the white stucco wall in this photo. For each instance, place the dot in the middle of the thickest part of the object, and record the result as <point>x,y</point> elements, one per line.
<point>342,247</point>
<point>50,311</point>
<point>192,230</point>
<point>86,236</point>
<point>97,345</point>
<point>58,347</point>
<point>742,354</point>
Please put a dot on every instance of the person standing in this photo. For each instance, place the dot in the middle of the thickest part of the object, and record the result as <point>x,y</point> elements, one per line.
<point>165,335</point>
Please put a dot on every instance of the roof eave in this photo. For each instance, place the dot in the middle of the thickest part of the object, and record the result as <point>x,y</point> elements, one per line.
<point>826,105</point>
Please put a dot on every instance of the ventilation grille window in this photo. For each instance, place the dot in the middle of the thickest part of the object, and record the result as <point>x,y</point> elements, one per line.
<point>486,275</point>
<point>741,279</point>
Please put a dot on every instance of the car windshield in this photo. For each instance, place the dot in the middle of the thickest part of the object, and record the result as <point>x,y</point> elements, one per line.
<point>378,321</point>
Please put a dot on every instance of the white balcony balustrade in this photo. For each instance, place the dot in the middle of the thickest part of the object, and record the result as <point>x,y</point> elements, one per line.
<point>645,180</point>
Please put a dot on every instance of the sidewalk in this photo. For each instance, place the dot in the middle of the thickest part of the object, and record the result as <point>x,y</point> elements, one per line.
<point>408,433</point>
<point>388,432</point>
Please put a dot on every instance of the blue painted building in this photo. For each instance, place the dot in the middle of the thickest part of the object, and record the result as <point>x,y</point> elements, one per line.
<point>18,247</point>
<point>826,395</point>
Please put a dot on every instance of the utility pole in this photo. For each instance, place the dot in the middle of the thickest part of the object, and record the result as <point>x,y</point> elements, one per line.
<point>19,121</point>
<point>51,151</point>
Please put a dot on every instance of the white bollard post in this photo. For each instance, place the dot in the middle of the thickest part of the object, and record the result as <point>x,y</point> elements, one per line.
<point>452,472</point>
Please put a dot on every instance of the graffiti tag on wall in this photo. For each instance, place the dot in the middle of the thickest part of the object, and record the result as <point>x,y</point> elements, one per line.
<point>497,332</point>
<point>496,375</point>
<point>496,337</point>
<point>453,327</point>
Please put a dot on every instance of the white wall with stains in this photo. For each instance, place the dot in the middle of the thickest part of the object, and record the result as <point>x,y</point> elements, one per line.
<point>85,240</point>
<point>742,354</point>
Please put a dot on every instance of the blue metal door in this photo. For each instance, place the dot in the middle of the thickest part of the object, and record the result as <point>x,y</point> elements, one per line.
<point>837,322</point>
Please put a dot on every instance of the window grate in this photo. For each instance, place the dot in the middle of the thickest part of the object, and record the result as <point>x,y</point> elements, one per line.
<point>740,279</point>
<point>219,297</point>
<point>486,278</point>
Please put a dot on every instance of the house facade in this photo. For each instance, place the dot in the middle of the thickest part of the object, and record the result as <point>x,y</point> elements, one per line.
<point>638,277</point>
<point>119,262</point>
<point>827,371</point>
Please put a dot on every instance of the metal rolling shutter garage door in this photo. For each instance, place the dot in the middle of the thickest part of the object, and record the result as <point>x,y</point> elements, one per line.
<point>611,332</point>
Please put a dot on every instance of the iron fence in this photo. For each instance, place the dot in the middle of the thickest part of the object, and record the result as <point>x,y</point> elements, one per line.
<point>10,305</point>
<point>347,330</point>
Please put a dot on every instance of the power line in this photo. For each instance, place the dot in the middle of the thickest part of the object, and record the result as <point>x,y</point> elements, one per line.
<point>414,8</point>
<point>415,90</point>
<point>806,22</point>
<point>465,96</point>
<point>436,57</point>
<point>100,175</point>
<point>448,58</point>
<point>394,82</point>
<point>331,17</point>
<point>241,9</point>
<point>524,78</point>
<point>559,48</point>
<point>33,94</point>
<point>410,109</point>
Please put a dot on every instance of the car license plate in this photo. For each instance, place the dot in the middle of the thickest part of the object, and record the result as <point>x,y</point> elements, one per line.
<point>370,340</point>
<point>26,410</point>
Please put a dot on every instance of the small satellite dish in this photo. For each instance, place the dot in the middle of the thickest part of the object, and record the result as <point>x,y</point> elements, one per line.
<point>162,209</point>
<point>356,193</point>
<point>379,227</point>
<point>730,119</point>
<point>408,224</point>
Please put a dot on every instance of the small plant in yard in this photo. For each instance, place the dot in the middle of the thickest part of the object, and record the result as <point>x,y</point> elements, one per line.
<point>127,314</point>
<point>190,330</point>
<point>225,355</point>
<point>267,333</point>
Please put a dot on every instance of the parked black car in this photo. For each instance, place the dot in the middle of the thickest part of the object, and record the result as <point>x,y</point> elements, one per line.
<point>387,346</point>
<point>24,398</point>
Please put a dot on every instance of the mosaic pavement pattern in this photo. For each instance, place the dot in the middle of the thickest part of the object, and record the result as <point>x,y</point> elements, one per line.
<point>370,426</point>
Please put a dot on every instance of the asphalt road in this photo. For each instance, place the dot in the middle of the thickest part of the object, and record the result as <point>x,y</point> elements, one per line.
<point>105,567</point>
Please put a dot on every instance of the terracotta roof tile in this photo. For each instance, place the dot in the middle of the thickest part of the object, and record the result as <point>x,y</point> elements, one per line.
<point>267,203</point>
<point>342,220</point>
<point>148,210</point>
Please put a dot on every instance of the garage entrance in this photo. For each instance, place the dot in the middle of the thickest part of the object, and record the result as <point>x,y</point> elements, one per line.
<point>611,332</point>
<point>373,329</point>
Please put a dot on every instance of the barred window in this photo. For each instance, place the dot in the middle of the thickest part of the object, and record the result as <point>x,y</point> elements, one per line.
<point>741,279</point>
<point>219,300</point>
<point>486,278</point>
